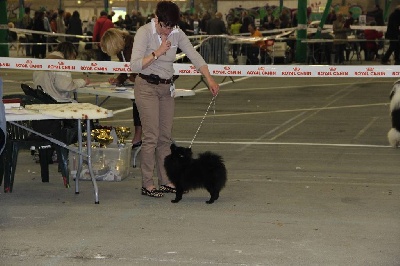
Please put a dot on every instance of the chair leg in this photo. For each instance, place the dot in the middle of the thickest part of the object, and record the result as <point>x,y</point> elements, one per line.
<point>2,161</point>
<point>11,156</point>
<point>45,153</point>
<point>62,156</point>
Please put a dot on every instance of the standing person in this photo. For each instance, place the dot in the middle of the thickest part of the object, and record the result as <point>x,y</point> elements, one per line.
<point>75,28</point>
<point>52,40</point>
<point>59,84</point>
<point>46,21</point>
<point>27,23</point>
<point>128,22</point>
<point>268,20</point>
<point>216,26</point>
<point>235,30</point>
<point>392,34</point>
<point>184,25</point>
<point>66,19</point>
<point>194,24</point>
<point>340,33</point>
<point>120,43</point>
<point>203,22</point>
<point>350,46</point>
<point>2,120</point>
<point>377,13</point>
<point>61,25</point>
<point>331,17</point>
<point>53,22</point>
<point>101,26</point>
<point>134,20</point>
<point>253,50</point>
<point>246,20</point>
<point>349,21</point>
<point>154,49</point>
<point>90,25</point>
<point>285,19</point>
<point>39,40</point>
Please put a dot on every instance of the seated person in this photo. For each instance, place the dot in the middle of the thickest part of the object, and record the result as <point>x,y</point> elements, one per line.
<point>2,120</point>
<point>371,46</point>
<point>120,43</point>
<point>59,84</point>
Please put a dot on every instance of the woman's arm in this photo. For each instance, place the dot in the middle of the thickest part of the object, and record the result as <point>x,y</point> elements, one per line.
<point>63,82</point>
<point>212,85</point>
<point>139,59</point>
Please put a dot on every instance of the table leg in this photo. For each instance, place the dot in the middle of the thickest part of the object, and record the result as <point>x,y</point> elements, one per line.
<point>89,161</point>
<point>135,155</point>
<point>80,157</point>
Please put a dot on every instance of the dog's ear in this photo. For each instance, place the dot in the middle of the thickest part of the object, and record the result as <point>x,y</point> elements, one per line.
<point>391,94</point>
<point>173,147</point>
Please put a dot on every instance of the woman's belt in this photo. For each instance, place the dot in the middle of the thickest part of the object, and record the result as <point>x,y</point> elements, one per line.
<point>155,79</point>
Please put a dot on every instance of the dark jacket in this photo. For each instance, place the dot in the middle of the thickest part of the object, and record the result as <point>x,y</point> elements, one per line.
<point>216,27</point>
<point>75,26</point>
<point>245,24</point>
<point>393,32</point>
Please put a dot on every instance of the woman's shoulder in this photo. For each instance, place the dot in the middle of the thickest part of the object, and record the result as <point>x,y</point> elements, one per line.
<point>145,27</point>
<point>55,55</point>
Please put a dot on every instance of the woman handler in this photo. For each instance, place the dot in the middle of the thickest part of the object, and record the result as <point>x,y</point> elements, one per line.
<point>152,57</point>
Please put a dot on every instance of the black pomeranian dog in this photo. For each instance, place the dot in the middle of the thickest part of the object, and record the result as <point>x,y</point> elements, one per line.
<point>207,171</point>
<point>394,132</point>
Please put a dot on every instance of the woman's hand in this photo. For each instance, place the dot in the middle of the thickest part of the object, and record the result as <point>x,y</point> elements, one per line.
<point>213,86</point>
<point>164,47</point>
<point>112,81</point>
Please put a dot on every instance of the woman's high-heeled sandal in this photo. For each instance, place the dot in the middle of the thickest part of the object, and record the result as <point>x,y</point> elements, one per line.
<point>152,193</point>
<point>166,189</point>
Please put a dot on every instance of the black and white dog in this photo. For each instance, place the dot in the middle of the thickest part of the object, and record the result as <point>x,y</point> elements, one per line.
<point>394,132</point>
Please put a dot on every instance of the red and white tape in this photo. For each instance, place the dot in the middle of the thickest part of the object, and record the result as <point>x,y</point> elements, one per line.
<point>340,71</point>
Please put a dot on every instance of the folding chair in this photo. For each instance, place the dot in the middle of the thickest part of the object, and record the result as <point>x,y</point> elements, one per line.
<point>18,138</point>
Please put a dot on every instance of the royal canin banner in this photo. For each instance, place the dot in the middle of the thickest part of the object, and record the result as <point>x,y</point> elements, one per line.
<point>339,71</point>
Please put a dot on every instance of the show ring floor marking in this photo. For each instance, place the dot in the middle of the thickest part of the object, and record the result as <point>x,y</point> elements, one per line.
<point>287,144</point>
<point>265,112</point>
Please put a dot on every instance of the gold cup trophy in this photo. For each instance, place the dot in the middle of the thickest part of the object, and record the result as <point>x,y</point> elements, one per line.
<point>122,133</point>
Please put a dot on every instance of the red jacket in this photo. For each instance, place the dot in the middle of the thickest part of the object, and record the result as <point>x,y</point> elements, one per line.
<point>101,26</point>
<point>372,35</point>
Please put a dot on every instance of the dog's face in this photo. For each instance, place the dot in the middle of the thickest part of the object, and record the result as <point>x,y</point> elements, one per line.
<point>396,88</point>
<point>181,153</point>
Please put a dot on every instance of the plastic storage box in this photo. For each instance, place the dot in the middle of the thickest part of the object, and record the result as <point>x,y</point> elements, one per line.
<point>109,164</point>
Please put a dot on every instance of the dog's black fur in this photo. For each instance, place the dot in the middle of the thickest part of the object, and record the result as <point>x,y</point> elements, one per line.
<point>207,171</point>
<point>394,132</point>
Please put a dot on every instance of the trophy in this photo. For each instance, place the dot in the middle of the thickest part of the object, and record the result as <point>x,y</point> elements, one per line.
<point>84,136</point>
<point>122,133</point>
<point>104,138</point>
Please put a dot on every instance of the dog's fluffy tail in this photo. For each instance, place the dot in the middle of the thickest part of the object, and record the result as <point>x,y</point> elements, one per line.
<point>394,137</point>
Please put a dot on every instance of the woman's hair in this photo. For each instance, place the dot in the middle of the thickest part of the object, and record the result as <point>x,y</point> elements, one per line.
<point>76,14</point>
<point>168,13</point>
<point>68,50</point>
<point>113,41</point>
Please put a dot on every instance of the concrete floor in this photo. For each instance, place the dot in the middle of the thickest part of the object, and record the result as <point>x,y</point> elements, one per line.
<point>311,181</point>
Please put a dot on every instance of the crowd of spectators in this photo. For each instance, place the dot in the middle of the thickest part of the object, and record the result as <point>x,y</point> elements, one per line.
<point>61,21</point>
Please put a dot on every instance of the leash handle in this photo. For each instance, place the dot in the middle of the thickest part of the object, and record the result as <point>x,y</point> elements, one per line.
<point>202,120</point>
